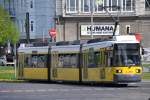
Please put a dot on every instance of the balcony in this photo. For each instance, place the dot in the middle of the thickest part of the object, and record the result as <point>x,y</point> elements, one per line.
<point>98,13</point>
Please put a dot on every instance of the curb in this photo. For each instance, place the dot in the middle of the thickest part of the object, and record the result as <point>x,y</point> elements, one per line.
<point>9,80</point>
<point>148,80</point>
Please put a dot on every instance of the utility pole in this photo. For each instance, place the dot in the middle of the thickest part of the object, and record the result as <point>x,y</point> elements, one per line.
<point>27,26</point>
<point>92,12</point>
<point>15,60</point>
<point>116,20</point>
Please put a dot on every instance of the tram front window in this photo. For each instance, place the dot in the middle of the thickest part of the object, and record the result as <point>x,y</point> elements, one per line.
<point>126,55</point>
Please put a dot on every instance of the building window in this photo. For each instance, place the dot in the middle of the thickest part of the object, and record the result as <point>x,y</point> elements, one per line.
<point>31,4</point>
<point>147,4</point>
<point>128,29</point>
<point>85,6</point>
<point>128,5</point>
<point>71,6</point>
<point>114,5</point>
<point>125,5</point>
<point>32,26</point>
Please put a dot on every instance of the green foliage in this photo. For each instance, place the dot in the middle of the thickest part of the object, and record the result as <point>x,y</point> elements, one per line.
<point>7,68</point>
<point>146,76</point>
<point>8,30</point>
<point>146,65</point>
<point>7,72</point>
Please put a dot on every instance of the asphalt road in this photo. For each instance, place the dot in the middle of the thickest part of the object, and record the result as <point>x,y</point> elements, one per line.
<point>52,91</point>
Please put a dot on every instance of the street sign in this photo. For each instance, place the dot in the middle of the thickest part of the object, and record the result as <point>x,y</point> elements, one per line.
<point>138,37</point>
<point>52,32</point>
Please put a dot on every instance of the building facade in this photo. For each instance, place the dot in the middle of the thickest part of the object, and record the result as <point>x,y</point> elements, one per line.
<point>34,18</point>
<point>41,18</point>
<point>86,19</point>
<point>77,19</point>
<point>10,6</point>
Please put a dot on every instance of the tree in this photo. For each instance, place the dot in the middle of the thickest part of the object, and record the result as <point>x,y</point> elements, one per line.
<point>8,29</point>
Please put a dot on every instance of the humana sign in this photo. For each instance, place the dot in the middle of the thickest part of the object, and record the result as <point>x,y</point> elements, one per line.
<point>98,30</point>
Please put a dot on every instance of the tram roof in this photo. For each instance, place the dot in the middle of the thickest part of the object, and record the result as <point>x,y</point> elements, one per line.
<point>29,50</point>
<point>69,48</point>
<point>66,49</point>
<point>108,43</point>
<point>125,39</point>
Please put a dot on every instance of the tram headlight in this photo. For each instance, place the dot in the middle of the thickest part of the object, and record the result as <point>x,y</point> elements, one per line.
<point>118,71</point>
<point>137,70</point>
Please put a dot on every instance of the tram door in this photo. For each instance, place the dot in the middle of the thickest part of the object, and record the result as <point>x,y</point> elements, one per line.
<point>20,65</point>
<point>91,68</point>
<point>54,65</point>
<point>85,65</point>
<point>103,63</point>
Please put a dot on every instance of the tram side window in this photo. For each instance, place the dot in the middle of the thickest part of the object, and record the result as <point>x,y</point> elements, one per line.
<point>38,61</point>
<point>97,58</point>
<point>68,60</point>
<point>27,60</point>
<point>109,58</point>
<point>91,60</point>
<point>103,58</point>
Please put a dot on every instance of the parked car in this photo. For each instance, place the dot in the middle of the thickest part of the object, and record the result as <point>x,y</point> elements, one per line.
<point>3,61</point>
<point>10,60</point>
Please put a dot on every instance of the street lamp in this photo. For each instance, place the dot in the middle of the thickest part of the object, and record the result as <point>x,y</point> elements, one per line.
<point>92,12</point>
<point>92,2</point>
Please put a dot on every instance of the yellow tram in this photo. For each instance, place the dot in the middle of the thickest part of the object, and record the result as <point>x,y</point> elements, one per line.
<point>101,61</point>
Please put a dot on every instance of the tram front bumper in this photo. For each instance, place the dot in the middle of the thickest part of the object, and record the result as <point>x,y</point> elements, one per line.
<point>127,78</point>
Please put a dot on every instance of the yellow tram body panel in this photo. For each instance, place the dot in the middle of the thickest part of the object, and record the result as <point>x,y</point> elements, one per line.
<point>98,75</point>
<point>35,73</point>
<point>67,74</point>
<point>90,74</point>
<point>108,74</point>
<point>93,74</point>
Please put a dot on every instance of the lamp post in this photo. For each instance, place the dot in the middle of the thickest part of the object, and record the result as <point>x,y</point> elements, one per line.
<point>92,12</point>
<point>15,60</point>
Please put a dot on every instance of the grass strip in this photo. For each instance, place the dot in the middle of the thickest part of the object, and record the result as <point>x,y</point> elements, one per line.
<point>146,76</point>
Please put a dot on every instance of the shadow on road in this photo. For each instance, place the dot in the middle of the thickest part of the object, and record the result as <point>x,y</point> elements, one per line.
<point>77,84</point>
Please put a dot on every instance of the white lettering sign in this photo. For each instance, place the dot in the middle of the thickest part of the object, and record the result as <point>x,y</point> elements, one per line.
<point>99,30</point>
